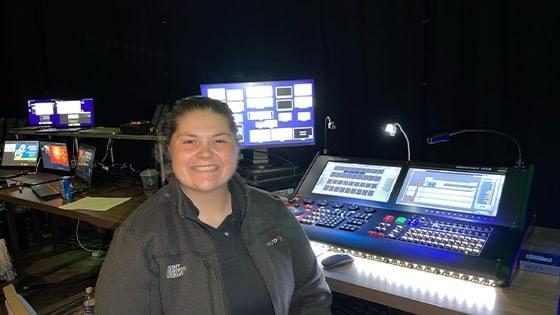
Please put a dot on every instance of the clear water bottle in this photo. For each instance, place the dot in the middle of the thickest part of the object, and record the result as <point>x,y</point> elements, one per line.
<point>89,301</point>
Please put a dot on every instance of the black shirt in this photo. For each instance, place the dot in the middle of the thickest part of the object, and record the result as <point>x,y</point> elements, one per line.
<point>245,289</point>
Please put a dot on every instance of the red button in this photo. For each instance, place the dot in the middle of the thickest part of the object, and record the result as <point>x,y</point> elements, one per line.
<point>388,218</point>
<point>376,234</point>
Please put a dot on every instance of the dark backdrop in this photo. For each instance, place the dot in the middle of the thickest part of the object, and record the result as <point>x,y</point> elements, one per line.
<point>429,65</point>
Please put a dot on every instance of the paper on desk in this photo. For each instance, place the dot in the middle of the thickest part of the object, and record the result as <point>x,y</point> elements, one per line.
<point>94,203</point>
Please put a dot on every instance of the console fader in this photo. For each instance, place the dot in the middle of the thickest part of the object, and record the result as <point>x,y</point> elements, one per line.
<point>458,221</point>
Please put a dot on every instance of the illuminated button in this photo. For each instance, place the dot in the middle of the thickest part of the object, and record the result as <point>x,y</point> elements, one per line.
<point>400,220</point>
<point>413,222</point>
<point>388,218</point>
<point>369,210</point>
<point>296,211</point>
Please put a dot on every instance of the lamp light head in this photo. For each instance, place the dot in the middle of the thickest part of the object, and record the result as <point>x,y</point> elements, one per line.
<point>391,129</point>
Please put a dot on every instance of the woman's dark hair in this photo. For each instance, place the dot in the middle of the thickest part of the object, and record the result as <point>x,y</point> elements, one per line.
<point>193,103</point>
<point>182,107</point>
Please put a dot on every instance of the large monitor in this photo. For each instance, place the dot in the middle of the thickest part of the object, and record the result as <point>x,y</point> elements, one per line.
<point>60,113</point>
<point>271,113</point>
<point>55,156</point>
<point>20,153</point>
<point>357,180</point>
<point>455,191</point>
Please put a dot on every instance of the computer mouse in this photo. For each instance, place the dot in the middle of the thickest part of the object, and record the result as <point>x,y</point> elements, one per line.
<point>336,260</point>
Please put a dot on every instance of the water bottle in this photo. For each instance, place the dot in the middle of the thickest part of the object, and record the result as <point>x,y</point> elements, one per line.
<point>89,301</point>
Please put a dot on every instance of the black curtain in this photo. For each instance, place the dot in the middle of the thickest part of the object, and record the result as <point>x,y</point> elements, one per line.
<point>430,65</point>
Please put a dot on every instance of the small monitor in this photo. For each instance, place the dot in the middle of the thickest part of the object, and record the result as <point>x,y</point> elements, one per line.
<point>20,153</point>
<point>269,113</point>
<point>456,191</point>
<point>358,181</point>
<point>41,112</point>
<point>84,164</point>
<point>74,113</point>
<point>60,113</point>
<point>55,156</point>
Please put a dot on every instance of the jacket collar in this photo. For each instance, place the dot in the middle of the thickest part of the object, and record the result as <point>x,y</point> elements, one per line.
<point>186,209</point>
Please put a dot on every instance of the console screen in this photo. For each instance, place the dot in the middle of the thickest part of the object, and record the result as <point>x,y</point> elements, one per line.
<point>360,181</point>
<point>468,192</point>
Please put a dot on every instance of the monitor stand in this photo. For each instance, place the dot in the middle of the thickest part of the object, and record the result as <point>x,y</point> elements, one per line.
<point>259,170</point>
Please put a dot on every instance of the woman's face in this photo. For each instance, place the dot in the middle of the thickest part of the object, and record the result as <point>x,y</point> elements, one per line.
<point>203,151</point>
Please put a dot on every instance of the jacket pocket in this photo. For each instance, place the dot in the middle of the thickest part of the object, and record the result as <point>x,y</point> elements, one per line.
<point>187,284</point>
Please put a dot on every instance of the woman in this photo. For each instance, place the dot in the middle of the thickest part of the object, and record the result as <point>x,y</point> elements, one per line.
<point>206,243</point>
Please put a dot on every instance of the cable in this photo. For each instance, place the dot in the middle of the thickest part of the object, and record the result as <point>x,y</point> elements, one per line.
<point>406,138</point>
<point>78,239</point>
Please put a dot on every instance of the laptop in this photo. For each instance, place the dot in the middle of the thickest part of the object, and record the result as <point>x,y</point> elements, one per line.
<point>84,168</point>
<point>19,157</point>
<point>55,160</point>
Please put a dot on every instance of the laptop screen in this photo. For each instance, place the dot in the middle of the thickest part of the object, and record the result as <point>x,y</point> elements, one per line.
<point>84,165</point>
<point>55,156</point>
<point>20,153</point>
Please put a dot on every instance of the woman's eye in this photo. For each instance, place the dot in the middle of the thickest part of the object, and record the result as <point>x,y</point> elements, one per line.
<point>189,141</point>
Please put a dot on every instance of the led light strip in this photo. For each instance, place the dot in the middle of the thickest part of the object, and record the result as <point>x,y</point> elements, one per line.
<point>420,267</point>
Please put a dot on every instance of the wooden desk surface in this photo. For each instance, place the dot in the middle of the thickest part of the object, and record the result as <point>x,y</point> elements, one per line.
<point>109,219</point>
<point>425,293</point>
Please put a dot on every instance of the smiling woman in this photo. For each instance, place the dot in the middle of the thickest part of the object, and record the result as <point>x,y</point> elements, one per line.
<point>207,243</point>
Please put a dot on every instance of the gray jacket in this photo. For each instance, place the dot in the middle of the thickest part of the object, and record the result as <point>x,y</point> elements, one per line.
<point>161,261</point>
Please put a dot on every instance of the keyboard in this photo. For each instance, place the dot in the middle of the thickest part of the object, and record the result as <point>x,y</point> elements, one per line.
<point>8,173</point>
<point>46,190</point>
<point>39,178</point>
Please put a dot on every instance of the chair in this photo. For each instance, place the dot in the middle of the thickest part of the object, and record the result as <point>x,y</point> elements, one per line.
<point>15,303</point>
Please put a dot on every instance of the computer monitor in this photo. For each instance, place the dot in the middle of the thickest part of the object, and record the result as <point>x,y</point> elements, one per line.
<point>474,193</point>
<point>74,113</point>
<point>60,113</point>
<point>41,112</point>
<point>55,156</point>
<point>84,164</point>
<point>357,181</point>
<point>269,113</point>
<point>20,153</point>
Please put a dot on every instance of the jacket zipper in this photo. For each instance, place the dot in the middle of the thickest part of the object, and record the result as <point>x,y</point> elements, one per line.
<point>264,280</point>
<point>210,285</point>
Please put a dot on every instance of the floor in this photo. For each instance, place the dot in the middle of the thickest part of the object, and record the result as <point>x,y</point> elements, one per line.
<point>52,276</point>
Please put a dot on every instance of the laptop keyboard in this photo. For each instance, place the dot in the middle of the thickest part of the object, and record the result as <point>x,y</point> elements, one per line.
<point>7,173</point>
<point>39,178</point>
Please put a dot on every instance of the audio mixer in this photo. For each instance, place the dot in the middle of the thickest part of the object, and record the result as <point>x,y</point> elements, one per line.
<point>465,222</point>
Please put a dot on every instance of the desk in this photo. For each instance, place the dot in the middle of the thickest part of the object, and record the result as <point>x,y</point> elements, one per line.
<point>398,287</point>
<point>426,293</point>
<point>109,219</point>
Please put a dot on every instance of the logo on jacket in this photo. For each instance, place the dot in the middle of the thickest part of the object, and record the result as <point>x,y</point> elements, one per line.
<point>275,240</point>
<point>175,271</point>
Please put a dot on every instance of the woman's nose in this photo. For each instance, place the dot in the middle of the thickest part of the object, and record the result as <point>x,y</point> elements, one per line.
<point>204,150</point>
